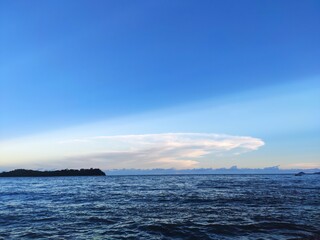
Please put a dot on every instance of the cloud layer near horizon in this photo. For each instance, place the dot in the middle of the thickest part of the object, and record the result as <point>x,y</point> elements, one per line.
<point>165,150</point>
<point>178,150</point>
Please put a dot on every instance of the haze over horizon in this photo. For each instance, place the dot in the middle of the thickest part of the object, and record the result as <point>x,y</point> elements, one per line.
<point>159,84</point>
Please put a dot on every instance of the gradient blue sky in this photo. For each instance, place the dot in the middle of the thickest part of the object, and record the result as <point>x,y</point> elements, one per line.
<point>151,71</point>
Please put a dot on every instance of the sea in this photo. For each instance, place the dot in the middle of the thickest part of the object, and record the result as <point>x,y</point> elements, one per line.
<point>161,207</point>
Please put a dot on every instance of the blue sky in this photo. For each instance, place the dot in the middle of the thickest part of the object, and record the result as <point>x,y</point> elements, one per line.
<point>144,70</point>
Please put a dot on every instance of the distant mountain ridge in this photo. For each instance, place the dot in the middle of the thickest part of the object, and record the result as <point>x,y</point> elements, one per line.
<point>56,173</point>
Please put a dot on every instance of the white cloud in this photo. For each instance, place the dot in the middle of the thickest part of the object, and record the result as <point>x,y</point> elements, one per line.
<point>179,150</point>
<point>166,150</point>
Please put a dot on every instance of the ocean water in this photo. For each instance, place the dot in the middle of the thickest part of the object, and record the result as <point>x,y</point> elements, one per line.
<point>161,207</point>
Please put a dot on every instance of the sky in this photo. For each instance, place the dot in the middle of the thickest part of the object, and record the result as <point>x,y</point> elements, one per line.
<point>159,84</point>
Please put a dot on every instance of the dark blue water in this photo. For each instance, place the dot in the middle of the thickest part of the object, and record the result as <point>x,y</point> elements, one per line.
<point>161,207</point>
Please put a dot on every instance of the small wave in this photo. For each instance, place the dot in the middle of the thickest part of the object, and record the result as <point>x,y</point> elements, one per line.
<point>101,220</point>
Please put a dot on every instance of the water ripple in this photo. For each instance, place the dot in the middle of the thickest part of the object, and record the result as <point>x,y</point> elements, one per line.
<point>161,207</point>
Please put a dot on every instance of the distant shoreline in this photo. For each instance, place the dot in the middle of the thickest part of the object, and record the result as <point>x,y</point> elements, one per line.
<point>55,173</point>
<point>210,171</point>
<point>152,172</point>
<point>207,174</point>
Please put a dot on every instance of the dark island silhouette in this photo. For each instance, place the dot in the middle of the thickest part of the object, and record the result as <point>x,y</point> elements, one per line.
<point>300,174</point>
<point>56,173</point>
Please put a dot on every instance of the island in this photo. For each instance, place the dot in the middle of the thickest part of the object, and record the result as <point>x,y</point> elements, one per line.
<point>55,173</point>
<point>300,174</point>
